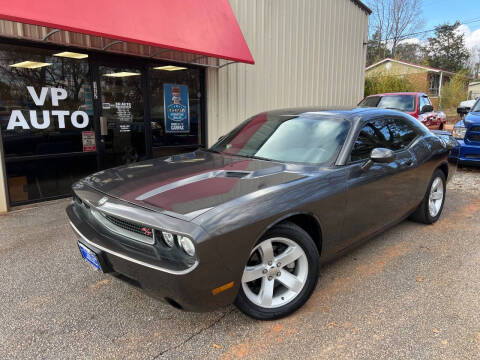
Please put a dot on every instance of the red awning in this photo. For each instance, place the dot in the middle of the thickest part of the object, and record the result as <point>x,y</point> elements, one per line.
<point>200,27</point>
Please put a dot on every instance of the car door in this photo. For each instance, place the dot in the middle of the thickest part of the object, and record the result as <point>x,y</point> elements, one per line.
<point>375,196</point>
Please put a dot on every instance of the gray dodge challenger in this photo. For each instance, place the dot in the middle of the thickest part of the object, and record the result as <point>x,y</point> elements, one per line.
<point>249,220</point>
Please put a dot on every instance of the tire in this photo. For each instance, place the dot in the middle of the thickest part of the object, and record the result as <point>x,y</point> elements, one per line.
<point>263,294</point>
<point>424,213</point>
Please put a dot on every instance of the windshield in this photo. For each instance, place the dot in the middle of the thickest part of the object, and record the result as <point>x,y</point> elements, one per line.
<point>287,138</point>
<point>476,107</point>
<point>399,102</point>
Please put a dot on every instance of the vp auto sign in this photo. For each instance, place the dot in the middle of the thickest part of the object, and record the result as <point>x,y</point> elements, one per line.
<point>79,119</point>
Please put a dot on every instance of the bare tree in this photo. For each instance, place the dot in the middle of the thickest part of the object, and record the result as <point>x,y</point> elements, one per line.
<point>404,18</point>
<point>379,25</point>
<point>394,21</point>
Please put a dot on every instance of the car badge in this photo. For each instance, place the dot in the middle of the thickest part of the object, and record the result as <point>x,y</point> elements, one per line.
<point>102,201</point>
<point>147,231</point>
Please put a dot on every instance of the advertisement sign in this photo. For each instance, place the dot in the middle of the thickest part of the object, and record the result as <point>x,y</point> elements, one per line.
<point>177,112</point>
<point>88,140</point>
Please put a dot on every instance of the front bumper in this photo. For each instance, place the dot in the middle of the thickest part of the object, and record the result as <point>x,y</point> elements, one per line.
<point>186,288</point>
<point>466,154</point>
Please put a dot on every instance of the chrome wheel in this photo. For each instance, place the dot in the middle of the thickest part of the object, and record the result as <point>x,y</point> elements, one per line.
<point>435,200</point>
<point>276,272</point>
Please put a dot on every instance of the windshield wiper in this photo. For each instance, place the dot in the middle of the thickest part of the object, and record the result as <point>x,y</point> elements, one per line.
<point>392,108</point>
<point>212,151</point>
<point>255,157</point>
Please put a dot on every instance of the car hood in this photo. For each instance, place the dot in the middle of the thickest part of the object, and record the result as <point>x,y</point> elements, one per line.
<point>190,184</point>
<point>472,118</point>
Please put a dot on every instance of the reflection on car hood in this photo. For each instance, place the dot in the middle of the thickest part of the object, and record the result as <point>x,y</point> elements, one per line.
<point>192,183</point>
<point>472,118</point>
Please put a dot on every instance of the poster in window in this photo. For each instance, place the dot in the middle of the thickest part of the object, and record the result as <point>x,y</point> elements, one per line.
<point>177,112</point>
<point>88,139</point>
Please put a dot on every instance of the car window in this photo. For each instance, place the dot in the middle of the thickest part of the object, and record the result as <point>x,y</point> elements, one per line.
<point>424,100</point>
<point>371,101</point>
<point>390,133</point>
<point>476,107</point>
<point>398,102</point>
<point>301,138</point>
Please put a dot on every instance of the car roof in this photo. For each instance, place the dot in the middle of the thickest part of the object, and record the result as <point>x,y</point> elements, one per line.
<point>355,113</point>
<point>398,93</point>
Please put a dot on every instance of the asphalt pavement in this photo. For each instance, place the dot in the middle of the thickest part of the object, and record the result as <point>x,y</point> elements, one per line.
<point>410,293</point>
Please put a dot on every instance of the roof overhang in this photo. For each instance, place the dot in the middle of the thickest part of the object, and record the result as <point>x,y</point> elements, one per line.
<point>426,68</point>
<point>204,28</point>
<point>362,6</point>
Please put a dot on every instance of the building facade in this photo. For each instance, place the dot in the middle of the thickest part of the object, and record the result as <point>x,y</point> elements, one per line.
<point>474,90</point>
<point>422,78</point>
<point>74,102</point>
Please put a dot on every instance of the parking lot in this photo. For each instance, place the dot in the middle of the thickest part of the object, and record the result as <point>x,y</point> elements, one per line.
<point>412,292</point>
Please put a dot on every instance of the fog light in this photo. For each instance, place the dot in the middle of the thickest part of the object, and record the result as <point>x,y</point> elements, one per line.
<point>187,245</point>
<point>168,238</point>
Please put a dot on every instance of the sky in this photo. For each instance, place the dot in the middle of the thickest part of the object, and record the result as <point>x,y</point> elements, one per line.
<point>436,12</point>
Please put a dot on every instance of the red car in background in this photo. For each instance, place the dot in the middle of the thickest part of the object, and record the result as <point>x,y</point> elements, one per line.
<point>413,103</point>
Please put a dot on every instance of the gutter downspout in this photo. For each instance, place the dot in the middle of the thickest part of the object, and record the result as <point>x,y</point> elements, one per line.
<point>440,91</point>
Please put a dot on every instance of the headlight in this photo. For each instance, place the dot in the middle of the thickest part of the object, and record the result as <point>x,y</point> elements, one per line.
<point>459,132</point>
<point>187,245</point>
<point>168,238</point>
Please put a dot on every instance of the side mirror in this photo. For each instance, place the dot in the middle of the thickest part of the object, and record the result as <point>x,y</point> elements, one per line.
<point>426,109</point>
<point>380,156</point>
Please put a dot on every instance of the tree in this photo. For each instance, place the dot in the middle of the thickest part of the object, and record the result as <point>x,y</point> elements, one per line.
<point>446,50</point>
<point>376,49</point>
<point>404,18</point>
<point>393,21</point>
<point>410,52</point>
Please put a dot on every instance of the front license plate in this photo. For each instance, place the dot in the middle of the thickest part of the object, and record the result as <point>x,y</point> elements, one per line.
<point>90,257</point>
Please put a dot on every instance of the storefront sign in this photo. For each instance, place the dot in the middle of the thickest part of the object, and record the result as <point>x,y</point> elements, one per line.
<point>79,119</point>
<point>88,140</point>
<point>177,112</point>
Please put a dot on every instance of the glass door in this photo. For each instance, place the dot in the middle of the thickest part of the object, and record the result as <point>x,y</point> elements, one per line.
<point>122,125</point>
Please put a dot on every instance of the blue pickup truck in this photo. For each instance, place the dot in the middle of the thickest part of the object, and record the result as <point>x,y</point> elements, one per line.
<point>467,133</point>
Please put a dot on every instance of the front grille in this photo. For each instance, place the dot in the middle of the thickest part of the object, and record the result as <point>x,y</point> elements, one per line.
<point>129,226</point>
<point>474,137</point>
<point>475,128</point>
<point>473,156</point>
<point>125,228</point>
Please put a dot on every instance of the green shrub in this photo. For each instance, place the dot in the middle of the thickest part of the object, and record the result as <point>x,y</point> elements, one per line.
<point>455,91</point>
<point>386,84</point>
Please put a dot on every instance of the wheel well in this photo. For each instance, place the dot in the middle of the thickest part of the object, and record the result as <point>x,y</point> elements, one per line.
<point>310,225</point>
<point>444,168</point>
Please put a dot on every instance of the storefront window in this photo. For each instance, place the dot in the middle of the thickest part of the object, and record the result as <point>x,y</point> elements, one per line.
<point>45,112</point>
<point>176,113</point>
<point>122,121</point>
<point>53,134</point>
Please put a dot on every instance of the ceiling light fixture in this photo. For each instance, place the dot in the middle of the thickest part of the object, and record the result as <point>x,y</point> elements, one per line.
<point>122,74</point>
<point>30,64</point>
<point>71,55</point>
<point>170,68</point>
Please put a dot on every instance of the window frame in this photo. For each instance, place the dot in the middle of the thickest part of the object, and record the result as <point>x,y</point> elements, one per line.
<point>363,123</point>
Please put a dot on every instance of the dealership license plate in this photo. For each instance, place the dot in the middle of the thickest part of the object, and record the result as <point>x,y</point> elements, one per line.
<point>90,257</point>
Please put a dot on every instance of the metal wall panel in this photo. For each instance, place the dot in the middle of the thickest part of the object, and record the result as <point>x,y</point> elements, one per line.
<point>307,52</point>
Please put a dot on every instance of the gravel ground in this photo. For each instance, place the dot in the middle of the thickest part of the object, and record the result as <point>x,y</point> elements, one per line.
<point>466,179</point>
<point>410,293</point>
